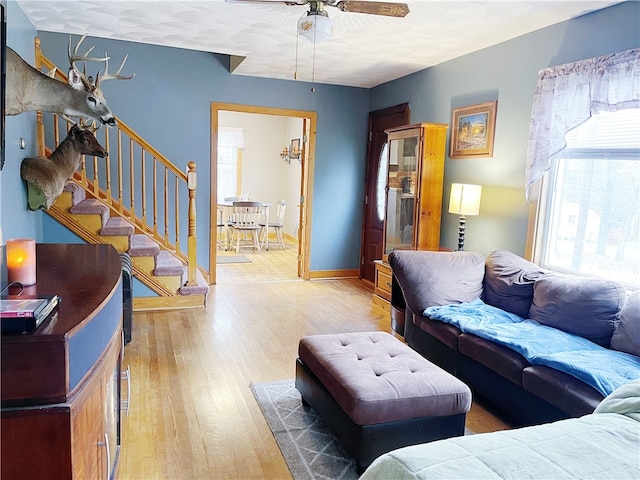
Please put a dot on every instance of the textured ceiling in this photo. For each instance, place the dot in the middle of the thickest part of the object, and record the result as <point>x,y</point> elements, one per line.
<point>364,50</point>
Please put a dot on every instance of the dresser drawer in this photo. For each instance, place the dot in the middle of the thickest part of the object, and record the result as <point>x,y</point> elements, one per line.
<point>383,281</point>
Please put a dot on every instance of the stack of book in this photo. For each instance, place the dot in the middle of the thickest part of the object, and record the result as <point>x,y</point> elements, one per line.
<point>20,314</point>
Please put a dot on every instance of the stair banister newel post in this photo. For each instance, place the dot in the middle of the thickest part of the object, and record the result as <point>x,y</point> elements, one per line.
<point>191,240</point>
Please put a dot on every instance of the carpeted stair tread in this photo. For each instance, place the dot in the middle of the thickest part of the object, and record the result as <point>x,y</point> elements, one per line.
<point>143,246</point>
<point>168,264</point>
<point>117,226</point>
<point>77,193</point>
<point>201,289</point>
<point>91,206</point>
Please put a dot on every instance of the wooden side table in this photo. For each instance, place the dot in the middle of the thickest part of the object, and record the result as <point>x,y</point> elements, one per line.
<point>382,291</point>
<point>388,296</point>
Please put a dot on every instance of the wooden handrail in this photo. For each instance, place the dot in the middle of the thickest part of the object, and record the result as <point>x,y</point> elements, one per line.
<point>161,172</point>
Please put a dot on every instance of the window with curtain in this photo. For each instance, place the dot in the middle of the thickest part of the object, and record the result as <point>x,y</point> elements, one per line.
<point>593,223</point>
<point>230,146</point>
<point>583,167</point>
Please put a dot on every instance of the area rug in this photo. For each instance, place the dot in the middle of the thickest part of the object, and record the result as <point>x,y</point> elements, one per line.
<point>307,445</point>
<point>232,259</point>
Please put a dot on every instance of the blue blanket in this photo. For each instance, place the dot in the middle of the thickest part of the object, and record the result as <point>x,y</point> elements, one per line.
<point>603,369</point>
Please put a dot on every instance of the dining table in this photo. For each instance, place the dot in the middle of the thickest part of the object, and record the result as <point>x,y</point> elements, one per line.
<point>226,207</point>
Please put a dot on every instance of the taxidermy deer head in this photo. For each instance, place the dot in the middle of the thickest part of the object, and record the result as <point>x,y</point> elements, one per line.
<point>28,89</point>
<point>46,177</point>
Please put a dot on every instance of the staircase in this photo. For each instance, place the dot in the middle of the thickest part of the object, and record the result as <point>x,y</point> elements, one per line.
<point>158,269</point>
<point>94,207</point>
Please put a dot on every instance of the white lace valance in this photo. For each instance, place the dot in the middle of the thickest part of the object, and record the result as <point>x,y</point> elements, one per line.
<point>567,95</point>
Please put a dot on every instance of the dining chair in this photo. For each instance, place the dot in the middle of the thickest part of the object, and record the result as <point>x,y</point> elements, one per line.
<point>244,224</point>
<point>276,225</point>
<point>221,239</point>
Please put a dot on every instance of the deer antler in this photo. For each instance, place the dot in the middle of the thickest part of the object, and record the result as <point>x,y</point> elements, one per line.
<point>74,57</point>
<point>83,123</point>
<point>90,125</point>
<point>115,76</point>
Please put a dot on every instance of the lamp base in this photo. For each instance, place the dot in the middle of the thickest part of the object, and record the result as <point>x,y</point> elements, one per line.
<point>461,229</point>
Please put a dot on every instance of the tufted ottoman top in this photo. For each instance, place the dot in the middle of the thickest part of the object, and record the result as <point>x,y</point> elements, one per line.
<point>375,378</point>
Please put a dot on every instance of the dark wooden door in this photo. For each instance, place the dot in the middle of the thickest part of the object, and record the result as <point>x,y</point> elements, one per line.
<point>373,224</point>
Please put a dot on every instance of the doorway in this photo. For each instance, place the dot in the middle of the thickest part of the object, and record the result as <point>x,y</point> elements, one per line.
<point>307,159</point>
<point>373,220</point>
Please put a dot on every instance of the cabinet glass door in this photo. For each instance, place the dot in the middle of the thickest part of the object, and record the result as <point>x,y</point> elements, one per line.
<point>401,194</point>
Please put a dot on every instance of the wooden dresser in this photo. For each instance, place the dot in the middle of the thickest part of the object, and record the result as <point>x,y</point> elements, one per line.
<point>60,416</point>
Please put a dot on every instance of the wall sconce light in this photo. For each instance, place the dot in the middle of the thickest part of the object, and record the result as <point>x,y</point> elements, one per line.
<point>294,153</point>
<point>464,200</point>
<point>21,261</point>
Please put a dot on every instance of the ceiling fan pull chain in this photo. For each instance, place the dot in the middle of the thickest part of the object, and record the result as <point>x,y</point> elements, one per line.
<point>313,62</point>
<point>295,73</point>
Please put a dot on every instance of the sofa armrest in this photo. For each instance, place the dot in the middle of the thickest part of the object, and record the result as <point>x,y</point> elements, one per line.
<point>429,278</point>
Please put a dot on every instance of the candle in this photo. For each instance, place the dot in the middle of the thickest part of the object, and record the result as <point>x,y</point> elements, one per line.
<point>21,261</point>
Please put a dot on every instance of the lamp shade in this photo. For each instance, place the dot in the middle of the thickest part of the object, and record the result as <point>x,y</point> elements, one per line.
<point>315,26</point>
<point>465,199</point>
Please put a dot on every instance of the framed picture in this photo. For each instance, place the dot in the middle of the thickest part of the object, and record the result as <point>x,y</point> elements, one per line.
<point>473,131</point>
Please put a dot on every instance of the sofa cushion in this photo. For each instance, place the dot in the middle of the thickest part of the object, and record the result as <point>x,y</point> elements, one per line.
<point>447,334</point>
<point>498,358</point>
<point>561,390</point>
<point>626,336</point>
<point>585,306</point>
<point>437,278</point>
<point>508,282</point>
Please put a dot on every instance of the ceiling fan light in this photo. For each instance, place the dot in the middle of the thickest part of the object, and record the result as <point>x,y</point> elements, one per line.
<point>315,26</point>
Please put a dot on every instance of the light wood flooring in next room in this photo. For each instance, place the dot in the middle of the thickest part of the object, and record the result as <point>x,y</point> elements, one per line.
<point>193,415</point>
<point>273,265</point>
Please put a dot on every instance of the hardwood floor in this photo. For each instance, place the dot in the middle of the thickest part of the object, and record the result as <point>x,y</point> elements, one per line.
<point>273,265</point>
<point>193,415</point>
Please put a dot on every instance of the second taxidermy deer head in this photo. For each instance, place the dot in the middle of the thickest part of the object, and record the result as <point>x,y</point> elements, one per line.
<point>28,89</point>
<point>50,175</point>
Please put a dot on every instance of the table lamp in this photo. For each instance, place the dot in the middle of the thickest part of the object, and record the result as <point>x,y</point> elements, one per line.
<point>464,200</point>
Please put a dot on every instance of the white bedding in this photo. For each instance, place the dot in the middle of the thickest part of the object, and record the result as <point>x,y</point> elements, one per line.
<point>605,444</point>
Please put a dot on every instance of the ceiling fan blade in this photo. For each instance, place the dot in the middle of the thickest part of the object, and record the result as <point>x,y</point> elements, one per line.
<point>374,8</point>
<point>286,2</point>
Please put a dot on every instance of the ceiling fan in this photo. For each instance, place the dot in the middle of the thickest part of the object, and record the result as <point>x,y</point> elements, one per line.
<point>374,8</point>
<point>317,26</point>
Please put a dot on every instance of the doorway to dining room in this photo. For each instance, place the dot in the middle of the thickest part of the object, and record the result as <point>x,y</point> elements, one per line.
<point>264,155</point>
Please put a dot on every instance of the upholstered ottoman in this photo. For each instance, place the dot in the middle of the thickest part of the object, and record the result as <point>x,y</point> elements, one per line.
<point>377,394</point>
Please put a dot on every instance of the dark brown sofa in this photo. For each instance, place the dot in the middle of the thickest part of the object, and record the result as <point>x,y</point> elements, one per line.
<point>529,394</point>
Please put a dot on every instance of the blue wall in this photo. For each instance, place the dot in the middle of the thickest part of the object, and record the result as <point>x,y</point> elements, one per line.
<point>168,104</point>
<point>15,219</point>
<point>508,73</point>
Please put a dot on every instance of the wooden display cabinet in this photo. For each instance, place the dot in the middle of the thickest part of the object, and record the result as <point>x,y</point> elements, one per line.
<point>415,174</point>
<point>414,187</point>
